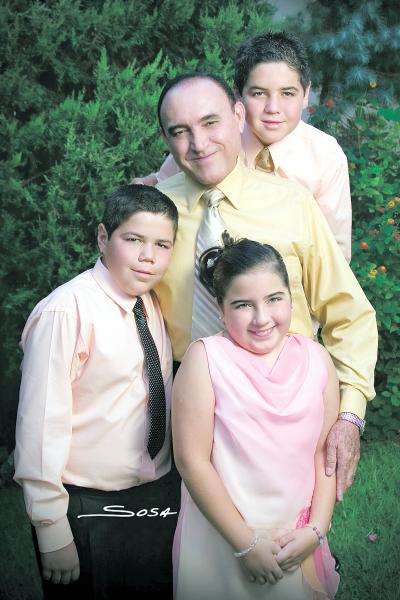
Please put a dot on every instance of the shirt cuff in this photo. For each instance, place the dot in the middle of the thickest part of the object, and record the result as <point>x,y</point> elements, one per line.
<point>55,536</point>
<point>351,400</point>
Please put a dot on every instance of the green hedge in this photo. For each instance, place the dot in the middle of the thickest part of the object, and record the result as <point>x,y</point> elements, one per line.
<point>80,87</point>
<point>80,83</point>
<point>370,137</point>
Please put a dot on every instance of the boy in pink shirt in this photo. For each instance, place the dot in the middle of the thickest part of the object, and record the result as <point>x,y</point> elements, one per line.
<point>93,426</point>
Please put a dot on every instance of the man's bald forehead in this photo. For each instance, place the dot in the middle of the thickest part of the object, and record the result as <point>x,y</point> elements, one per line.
<point>187,78</point>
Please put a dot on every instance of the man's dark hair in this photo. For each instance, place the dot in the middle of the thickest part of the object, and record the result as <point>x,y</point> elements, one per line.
<point>194,75</point>
<point>271,46</point>
<point>128,200</point>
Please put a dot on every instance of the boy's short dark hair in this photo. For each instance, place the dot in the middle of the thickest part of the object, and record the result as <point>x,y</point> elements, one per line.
<point>130,199</point>
<point>194,75</point>
<point>271,46</point>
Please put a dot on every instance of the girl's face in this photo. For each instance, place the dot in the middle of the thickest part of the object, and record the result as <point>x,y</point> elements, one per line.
<point>257,310</point>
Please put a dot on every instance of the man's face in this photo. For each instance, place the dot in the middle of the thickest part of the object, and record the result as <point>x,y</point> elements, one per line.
<point>274,99</point>
<point>202,130</point>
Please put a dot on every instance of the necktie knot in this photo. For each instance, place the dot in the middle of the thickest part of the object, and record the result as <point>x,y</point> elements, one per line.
<point>264,161</point>
<point>213,197</point>
<point>138,309</point>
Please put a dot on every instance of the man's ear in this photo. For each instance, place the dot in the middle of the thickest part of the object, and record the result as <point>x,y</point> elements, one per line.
<point>306,95</point>
<point>102,237</point>
<point>240,113</point>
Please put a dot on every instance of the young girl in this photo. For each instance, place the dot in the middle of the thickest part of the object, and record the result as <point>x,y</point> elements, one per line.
<point>252,407</point>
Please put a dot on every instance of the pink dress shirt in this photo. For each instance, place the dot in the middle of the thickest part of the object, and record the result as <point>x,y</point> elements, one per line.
<point>82,416</point>
<point>312,158</point>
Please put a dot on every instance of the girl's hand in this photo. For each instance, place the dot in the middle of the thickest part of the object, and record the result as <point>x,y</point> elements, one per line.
<point>296,546</point>
<point>260,564</point>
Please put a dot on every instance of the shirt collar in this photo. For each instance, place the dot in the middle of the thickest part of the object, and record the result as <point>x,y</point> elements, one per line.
<point>103,277</point>
<point>278,150</point>
<point>230,186</point>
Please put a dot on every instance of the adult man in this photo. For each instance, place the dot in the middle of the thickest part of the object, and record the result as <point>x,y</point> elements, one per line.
<point>203,135</point>
<point>272,79</point>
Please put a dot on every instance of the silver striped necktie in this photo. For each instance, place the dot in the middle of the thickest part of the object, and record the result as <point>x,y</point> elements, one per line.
<point>205,314</point>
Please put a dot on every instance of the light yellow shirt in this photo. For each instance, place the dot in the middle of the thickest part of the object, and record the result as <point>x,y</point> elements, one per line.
<point>273,210</point>
<point>83,411</point>
<point>310,157</point>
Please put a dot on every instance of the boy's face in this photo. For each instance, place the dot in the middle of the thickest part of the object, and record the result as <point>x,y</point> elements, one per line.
<point>274,99</point>
<point>138,252</point>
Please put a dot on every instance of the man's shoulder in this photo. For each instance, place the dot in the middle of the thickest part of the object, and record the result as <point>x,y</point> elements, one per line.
<point>173,184</point>
<point>271,183</point>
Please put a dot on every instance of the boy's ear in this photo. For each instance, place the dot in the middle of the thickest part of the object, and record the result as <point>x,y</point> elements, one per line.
<point>102,237</point>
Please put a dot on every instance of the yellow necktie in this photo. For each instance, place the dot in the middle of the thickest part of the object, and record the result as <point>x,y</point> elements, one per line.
<point>264,161</point>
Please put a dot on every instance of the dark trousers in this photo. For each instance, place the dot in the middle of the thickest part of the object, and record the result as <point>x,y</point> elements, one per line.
<point>122,557</point>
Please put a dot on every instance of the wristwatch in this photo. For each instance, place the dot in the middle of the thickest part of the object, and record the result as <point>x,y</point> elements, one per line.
<point>349,416</point>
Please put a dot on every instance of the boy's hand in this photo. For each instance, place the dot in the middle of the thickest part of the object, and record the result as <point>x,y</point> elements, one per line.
<point>296,546</point>
<point>260,564</point>
<point>61,566</point>
<point>147,180</point>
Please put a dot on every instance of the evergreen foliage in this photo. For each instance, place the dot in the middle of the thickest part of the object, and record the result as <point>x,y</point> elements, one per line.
<point>79,89</point>
<point>370,137</point>
<point>352,44</point>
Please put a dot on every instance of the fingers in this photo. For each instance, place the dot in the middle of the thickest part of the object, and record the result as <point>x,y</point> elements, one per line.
<point>271,576</point>
<point>75,573</point>
<point>285,539</point>
<point>64,577</point>
<point>331,454</point>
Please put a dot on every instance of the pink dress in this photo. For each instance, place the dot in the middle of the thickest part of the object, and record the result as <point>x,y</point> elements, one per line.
<point>267,425</point>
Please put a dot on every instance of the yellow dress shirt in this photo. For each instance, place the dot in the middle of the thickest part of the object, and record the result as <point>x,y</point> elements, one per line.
<point>273,210</point>
<point>312,158</point>
<point>82,416</point>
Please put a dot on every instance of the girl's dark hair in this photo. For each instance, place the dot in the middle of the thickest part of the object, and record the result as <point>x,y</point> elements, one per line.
<point>219,266</point>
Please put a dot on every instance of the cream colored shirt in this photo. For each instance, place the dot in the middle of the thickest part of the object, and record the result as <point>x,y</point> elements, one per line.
<point>82,417</point>
<point>276,211</point>
<point>310,157</point>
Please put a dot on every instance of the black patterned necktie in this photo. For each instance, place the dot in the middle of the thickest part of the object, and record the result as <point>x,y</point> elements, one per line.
<point>157,408</point>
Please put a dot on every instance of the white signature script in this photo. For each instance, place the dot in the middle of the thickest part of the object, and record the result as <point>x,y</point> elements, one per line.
<point>116,510</point>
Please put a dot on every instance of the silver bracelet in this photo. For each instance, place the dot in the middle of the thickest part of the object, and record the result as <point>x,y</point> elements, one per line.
<point>249,549</point>
<point>317,532</point>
